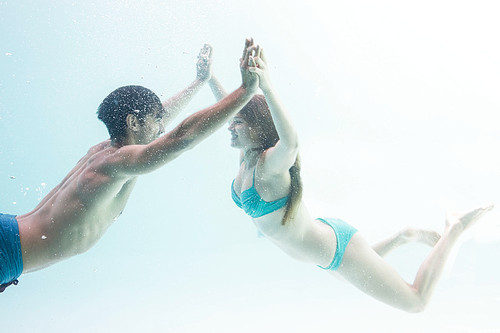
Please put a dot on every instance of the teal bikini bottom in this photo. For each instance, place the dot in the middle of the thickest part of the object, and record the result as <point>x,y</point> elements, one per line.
<point>344,233</point>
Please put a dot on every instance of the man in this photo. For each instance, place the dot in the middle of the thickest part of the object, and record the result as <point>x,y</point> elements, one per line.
<point>77,212</point>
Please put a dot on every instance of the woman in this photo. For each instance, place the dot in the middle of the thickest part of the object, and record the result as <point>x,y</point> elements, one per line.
<point>268,188</point>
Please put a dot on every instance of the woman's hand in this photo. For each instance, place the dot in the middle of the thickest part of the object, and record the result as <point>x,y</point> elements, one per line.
<point>258,65</point>
<point>204,64</point>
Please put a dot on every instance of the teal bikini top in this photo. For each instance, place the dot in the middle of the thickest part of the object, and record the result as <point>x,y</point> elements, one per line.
<point>253,204</point>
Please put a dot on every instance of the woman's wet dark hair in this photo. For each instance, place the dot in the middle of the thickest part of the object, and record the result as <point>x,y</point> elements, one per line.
<point>257,114</point>
<point>123,101</point>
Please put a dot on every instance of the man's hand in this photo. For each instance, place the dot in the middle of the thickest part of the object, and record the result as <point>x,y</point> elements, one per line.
<point>250,80</point>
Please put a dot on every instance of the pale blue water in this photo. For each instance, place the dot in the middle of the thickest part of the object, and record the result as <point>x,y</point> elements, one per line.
<point>396,105</point>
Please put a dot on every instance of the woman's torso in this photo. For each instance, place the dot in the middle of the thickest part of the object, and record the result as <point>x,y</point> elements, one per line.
<point>301,236</point>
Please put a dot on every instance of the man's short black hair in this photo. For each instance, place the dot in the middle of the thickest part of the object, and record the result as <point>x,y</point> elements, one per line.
<point>123,101</point>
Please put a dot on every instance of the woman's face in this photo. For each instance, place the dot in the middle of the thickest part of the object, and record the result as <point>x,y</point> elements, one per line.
<point>242,135</point>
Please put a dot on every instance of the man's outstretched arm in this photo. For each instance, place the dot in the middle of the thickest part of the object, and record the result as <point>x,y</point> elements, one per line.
<point>139,159</point>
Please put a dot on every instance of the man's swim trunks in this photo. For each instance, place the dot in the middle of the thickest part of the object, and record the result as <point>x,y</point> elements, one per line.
<point>344,233</point>
<point>11,258</point>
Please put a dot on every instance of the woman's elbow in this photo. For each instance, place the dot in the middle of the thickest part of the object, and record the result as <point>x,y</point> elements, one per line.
<point>292,145</point>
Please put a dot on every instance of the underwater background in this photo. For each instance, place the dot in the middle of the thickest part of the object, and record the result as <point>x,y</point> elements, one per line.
<point>397,108</point>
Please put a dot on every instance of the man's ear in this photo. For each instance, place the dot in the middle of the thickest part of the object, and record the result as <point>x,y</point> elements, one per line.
<point>132,122</point>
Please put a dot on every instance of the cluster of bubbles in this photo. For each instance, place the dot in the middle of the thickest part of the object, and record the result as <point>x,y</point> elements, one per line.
<point>25,190</point>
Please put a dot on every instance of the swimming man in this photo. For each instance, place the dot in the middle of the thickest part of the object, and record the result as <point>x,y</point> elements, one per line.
<point>78,211</point>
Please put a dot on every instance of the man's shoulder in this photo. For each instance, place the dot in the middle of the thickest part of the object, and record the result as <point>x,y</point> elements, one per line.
<point>99,147</point>
<point>100,156</point>
<point>110,160</point>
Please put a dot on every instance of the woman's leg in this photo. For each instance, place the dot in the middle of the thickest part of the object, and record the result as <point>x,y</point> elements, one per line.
<point>407,235</point>
<point>366,270</point>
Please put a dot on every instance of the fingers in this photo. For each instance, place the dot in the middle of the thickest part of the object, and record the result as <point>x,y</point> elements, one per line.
<point>249,54</point>
<point>251,62</point>
<point>262,56</point>
<point>257,56</point>
<point>254,67</point>
<point>208,50</point>
<point>244,60</point>
<point>204,63</point>
<point>258,51</point>
<point>260,59</point>
<point>260,62</point>
<point>205,52</point>
<point>253,57</point>
<point>248,43</point>
<point>256,70</point>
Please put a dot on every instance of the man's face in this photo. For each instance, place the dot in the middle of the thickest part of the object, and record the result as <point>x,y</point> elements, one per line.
<point>152,128</point>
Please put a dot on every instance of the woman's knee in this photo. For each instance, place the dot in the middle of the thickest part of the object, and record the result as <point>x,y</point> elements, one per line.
<point>416,305</point>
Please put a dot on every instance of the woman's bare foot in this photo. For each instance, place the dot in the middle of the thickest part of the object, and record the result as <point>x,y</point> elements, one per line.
<point>458,221</point>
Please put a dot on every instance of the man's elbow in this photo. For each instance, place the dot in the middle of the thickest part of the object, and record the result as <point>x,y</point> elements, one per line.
<point>187,142</point>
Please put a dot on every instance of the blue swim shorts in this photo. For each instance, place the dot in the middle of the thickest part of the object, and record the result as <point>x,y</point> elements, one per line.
<point>344,233</point>
<point>11,258</point>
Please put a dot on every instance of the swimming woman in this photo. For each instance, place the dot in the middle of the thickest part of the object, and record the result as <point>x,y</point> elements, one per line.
<point>268,189</point>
